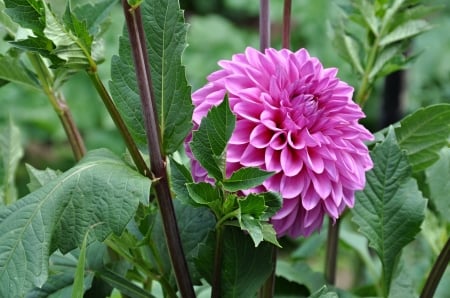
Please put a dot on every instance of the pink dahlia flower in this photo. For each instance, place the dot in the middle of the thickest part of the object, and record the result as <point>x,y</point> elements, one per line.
<point>294,118</point>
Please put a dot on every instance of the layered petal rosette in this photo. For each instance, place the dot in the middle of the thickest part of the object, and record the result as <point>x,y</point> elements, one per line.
<point>294,118</point>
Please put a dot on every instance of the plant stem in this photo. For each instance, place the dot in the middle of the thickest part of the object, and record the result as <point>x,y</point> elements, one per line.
<point>437,271</point>
<point>264,25</point>
<point>163,194</point>
<point>268,289</point>
<point>332,251</point>
<point>286,39</point>
<point>120,124</point>
<point>59,104</point>
<point>218,253</point>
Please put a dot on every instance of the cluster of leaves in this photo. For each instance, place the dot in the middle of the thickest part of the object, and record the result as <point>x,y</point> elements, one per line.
<point>377,41</point>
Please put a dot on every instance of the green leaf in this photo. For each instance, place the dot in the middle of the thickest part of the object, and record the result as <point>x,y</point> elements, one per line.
<point>39,178</point>
<point>27,13</point>
<point>94,14</point>
<point>367,11</point>
<point>194,224</point>
<point>245,267</point>
<point>349,48</point>
<point>253,204</point>
<point>179,177</point>
<point>386,55</point>
<point>62,270</point>
<point>324,292</point>
<point>13,70</point>
<point>166,40</point>
<point>100,189</point>
<point>10,153</point>
<point>423,133</point>
<point>204,193</point>
<point>300,273</point>
<point>73,43</point>
<point>438,178</point>
<point>390,210</point>
<point>210,140</point>
<point>125,286</point>
<point>245,178</point>
<point>78,283</point>
<point>405,31</point>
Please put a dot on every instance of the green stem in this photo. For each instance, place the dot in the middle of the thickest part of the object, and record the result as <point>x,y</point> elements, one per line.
<point>163,193</point>
<point>218,254</point>
<point>366,84</point>
<point>437,272</point>
<point>264,25</point>
<point>120,124</point>
<point>332,251</point>
<point>59,104</point>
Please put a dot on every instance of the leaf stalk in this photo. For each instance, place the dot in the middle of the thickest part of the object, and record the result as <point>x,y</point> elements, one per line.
<point>437,272</point>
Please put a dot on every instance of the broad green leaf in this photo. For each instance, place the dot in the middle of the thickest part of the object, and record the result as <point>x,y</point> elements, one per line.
<point>438,178</point>
<point>166,40</point>
<point>390,210</point>
<point>273,202</point>
<point>244,267</point>
<point>402,284</point>
<point>39,178</point>
<point>245,178</point>
<point>194,224</point>
<point>423,133</point>
<point>13,70</point>
<point>367,11</point>
<point>210,140</point>
<point>10,153</point>
<point>384,58</point>
<point>350,50</point>
<point>405,31</point>
<point>100,189</point>
<point>204,193</point>
<point>253,204</point>
<point>6,21</point>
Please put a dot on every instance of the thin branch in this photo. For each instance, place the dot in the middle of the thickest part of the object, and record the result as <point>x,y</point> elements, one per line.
<point>437,272</point>
<point>264,25</point>
<point>286,38</point>
<point>163,194</point>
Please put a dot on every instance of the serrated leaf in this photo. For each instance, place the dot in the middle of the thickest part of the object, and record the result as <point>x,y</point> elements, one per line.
<point>210,140</point>
<point>300,273</point>
<point>245,178</point>
<point>252,204</point>
<point>94,14</point>
<point>11,152</point>
<point>166,40</point>
<point>206,194</point>
<point>72,41</point>
<point>39,178</point>
<point>179,177</point>
<point>438,179</point>
<point>351,48</point>
<point>125,286</point>
<point>383,58</point>
<point>273,202</point>
<point>101,188</point>
<point>13,70</point>
<point>390,210</point>
<point>78,283</point>
<point>367,11</point>
<point>423,133</point>
<point>405,31</point>
<point>26,13</point>
<point>246,267</point>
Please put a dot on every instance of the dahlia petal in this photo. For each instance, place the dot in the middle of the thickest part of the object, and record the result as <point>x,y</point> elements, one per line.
<point>235,152</point>
<point>274,182</point>
<point>313,160</point>
<point>252,157</point>
<point>291,162</point>
<point>278,140</point>
<point>260,136</point>
<point>290,187</point>
<point>272,160</point>
<point>312,216</point>
<point>288,207</point>
<point>310,198</point>
<point>322,185</point>
<point>242,131</point>
<point>331,208</point>
<point>250,111</point>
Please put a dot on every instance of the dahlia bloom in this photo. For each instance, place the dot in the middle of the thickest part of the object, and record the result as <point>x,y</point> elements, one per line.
<point>294,118</point>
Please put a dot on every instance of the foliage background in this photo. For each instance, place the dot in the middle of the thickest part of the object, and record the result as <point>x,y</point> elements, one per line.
<point>236,21</point>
